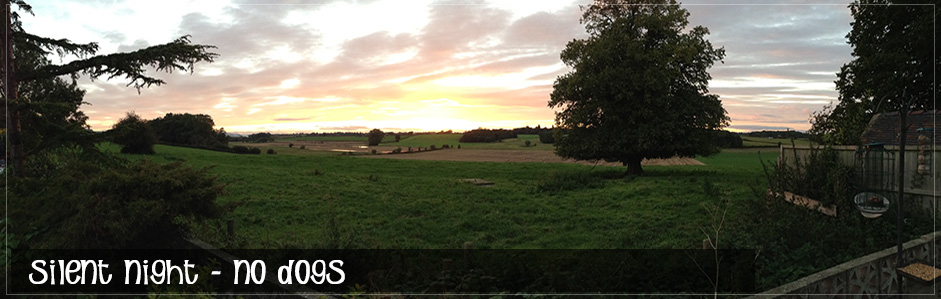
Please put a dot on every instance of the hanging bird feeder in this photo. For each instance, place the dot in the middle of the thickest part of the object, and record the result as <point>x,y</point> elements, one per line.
<point>871,204</point>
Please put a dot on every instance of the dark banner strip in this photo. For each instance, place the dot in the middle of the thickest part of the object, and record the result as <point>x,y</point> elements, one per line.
<point>482,271</point>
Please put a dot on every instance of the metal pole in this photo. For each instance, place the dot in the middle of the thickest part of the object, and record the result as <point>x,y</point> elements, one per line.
<point>903,112</point>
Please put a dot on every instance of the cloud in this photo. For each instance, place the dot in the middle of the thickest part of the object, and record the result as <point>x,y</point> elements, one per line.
<point>137,45</point>
<point>292,119</point>
<point>759,128</point>
<point>344,128</point>
<point>484,63</point>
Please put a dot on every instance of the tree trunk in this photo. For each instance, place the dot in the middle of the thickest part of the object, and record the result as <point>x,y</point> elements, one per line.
<point>633,165</point>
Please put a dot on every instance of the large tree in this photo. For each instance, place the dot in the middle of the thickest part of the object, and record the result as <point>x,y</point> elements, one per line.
<point>638,86</point>
<point>34,93</point>
<point>893,68</point>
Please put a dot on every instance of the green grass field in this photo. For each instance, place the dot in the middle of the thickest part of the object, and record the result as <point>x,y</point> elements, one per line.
<point>771,142</point>
<point>438,140</point>
<point>324,200</point>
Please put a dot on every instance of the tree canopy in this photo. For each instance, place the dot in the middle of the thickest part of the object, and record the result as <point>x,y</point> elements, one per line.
<point>374,137</point>
<point>189,129</point>
<point>893,67</point>
<point>45,107</point>
<point>639,86</point>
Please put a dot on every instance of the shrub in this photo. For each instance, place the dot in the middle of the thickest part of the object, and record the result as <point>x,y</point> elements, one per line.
<point>822,176</point>
<point>260,137</point>
<point>545,136</point>
<point>303,147</point>
<point>290,145</point>
<point>432,147</point>
<point>445,146</point>
<point>238,149</point>
<point>117,204</point>
<point>527,143</point>
<point>796,241</point>
<point>134,135</point>
<point>397,150</point>
<point>375,137</point>
<point>373,152</point>
<point>271,151</point>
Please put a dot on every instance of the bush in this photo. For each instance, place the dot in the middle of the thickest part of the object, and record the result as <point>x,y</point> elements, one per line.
<point>445,146</point>
<point>290,145</point>
<point>238,149</point>
<point>260,137</point>
<point>375,137</point>
<point>527,143</point>
<point>134,135</point>
<point>432,147</point>
<point>796,241</point>
<point>117,204</point>
<point>271,151</point>
<point>303,147</point>
<point>397,150</point>
<point>545,136</point>
<point>373,152</point>
<point>821,176</point>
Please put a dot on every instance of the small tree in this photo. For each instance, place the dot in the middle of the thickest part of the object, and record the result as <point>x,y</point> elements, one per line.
<point>375,137</point>
<point>134,135</point>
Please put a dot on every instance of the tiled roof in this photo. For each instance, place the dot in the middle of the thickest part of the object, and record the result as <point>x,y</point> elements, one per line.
<point>884,128</point>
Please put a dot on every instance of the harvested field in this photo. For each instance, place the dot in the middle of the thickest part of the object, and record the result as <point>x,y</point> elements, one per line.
<point>517,156</point>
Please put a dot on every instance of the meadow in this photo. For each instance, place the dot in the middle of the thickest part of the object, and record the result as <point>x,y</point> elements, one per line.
<point>308,199</point>
<point>748,141</point>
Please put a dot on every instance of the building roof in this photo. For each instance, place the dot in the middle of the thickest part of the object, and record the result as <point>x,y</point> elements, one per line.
<point>884,128</point>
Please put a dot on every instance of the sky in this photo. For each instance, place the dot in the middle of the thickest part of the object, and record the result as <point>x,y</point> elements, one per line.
<point>304,66</point>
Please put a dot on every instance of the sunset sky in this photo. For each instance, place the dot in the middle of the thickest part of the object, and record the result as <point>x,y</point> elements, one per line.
<point>303,66</point>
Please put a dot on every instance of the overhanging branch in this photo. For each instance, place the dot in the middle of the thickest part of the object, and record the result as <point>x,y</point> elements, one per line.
<point>177,55</point>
